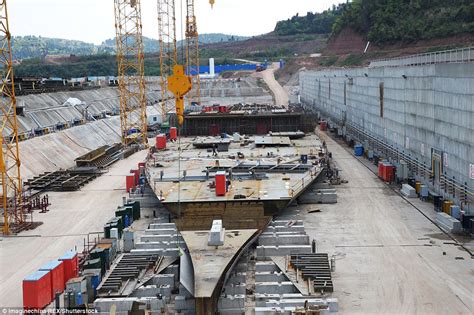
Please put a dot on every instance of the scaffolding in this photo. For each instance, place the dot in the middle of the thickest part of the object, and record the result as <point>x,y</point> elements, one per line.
<point>192,49</point>
<point>168,50</point>
<point>130,61</point>
<point>10,156</point>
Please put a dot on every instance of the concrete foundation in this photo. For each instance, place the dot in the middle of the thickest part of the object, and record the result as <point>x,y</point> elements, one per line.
<point>283,250</point>
<point>275,287</point>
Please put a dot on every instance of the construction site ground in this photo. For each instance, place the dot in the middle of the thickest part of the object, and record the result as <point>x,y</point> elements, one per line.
<point>390,258</point>
<point>71,216</point>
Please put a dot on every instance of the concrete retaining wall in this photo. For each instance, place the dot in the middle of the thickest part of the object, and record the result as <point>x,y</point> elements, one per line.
<point>426,109</point>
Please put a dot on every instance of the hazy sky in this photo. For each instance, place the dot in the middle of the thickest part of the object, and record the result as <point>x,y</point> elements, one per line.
<point>93,20</point>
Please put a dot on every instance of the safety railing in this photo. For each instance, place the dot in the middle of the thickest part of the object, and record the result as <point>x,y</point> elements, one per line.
<point>445,56</point>
<point>424,171</point>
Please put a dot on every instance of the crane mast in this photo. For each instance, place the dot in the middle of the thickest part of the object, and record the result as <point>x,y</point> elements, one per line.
<point>130,61</point>
<point>10,156</point>
<point>192,49</point>
<point>168,49</point>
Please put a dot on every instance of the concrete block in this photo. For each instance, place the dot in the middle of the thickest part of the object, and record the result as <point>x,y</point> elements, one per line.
<point>286,222</point>
<point>164,279</point>
<point>183,303</point>
<point>236,278</point>
<point>124,305</point>
<point>283,228</point>
<point>283,233</point>
<point>448,223</point>
<point>266,276</point>
<point>233,289</point>
<point>261,299</point>
<point>217,234</point>
<point>262,266</point>
<point>159,245</point>
<point>284,240</point>
<point>153,290</point>
<point>162,238</point>
<point>231,303</point>
<point>160,232</point>
<point>408,191</point>
<point>168,252</point>
<point>333,305</point>
<point>275,287</point>
<point>297,302</point>
<point>240,267</point>
<point>162,226</point>
<point>172,270</point>
<point>283,250</point>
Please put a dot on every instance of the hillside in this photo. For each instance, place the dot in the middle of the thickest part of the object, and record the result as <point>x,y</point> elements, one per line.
<point>24,47</point>
<point>386,22</point>
<point>268,46</point>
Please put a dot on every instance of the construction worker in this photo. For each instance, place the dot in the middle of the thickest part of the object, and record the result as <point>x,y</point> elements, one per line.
<point>214,150</point>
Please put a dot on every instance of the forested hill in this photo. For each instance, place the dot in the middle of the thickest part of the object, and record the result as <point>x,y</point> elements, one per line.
<point>391,21</point>
<point>388,21</point>
<point>24,47</point>
<point>312,23</point>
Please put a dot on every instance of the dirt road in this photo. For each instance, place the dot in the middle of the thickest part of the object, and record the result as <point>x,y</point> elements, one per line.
<point>281,95</point>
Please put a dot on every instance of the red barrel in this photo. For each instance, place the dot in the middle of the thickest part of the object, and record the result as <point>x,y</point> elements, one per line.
<point>130,182</point>
<point>56,268</point>
<point>161,142</point>
<point>220,180</point>
<point>37,290</point>
<point>70,263</point>
<point>173,133</point>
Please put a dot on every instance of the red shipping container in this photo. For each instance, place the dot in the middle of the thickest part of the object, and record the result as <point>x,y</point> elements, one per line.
<point>56,268</point>
<point>389,173</point>
<point>380,173</point>
<point>130,182</point>
<point>221,184</point>
<point>136,174</point>
<point>37,290</point>
<point>323,125</point>
<point>70,263</point>
<point>161,142</point>
<point>173,133</point>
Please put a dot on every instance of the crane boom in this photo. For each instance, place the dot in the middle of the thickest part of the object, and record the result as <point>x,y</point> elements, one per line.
<point>168,49</point>
<point>192,48</point>
<point>9,155</point>
<point>131,73</point>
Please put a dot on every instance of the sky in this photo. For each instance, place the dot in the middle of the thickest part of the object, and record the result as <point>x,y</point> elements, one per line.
<point>93,20</point>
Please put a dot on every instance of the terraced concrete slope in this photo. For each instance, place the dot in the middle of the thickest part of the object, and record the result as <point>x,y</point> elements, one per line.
<point>58,150</point>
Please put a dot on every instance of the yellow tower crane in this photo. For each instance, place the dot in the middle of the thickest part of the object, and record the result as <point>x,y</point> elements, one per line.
<point>168,49</point>
<point>131,74</point>
<point>192,48</point>
<point>10,155</point>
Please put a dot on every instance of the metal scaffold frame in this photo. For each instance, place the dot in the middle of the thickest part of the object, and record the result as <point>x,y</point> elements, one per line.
<point>192,49</point>
<point>168,50</point>
<point>130,61</point>
<point>10,156</point>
